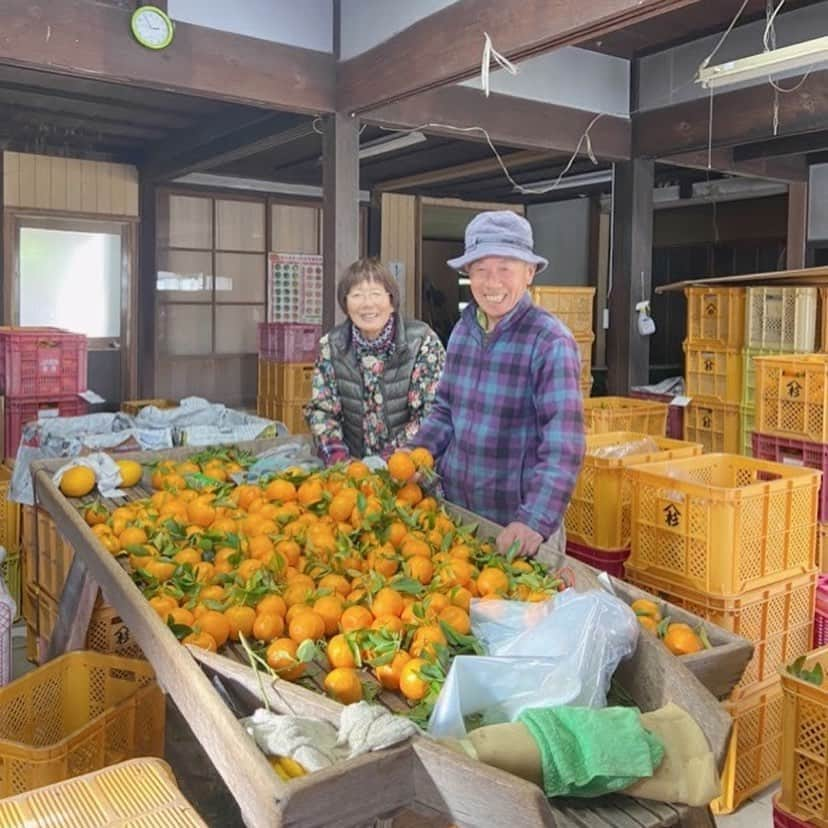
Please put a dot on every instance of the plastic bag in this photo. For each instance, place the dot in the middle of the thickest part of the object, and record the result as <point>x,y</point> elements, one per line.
<point>617,451</point>
<point>562,651</point>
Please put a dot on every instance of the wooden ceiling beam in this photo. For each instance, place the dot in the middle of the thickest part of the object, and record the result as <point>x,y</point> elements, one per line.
<point>739,117</point>
<point>721,160</point>
<point>510,121</point>
<point>446,46</point>
<point>77,37</point>
<point>782,147</point>
<point>513,161</point>
<point>195,154</point>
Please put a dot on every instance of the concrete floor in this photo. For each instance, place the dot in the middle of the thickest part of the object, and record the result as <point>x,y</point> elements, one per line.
<point>203,787</point>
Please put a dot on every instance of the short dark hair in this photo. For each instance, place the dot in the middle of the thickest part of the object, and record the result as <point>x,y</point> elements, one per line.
<point>366,270</point>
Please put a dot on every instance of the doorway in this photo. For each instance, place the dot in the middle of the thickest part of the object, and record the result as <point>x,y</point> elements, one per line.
<point>76,274</point>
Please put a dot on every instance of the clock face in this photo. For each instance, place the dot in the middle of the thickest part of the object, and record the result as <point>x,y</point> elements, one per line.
<point>152,28</point>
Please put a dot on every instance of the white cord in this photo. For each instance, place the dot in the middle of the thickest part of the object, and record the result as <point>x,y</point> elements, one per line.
<point>490,53</point>
<point>769,36</point>
<point>584,139</point>
<point>724,37</point>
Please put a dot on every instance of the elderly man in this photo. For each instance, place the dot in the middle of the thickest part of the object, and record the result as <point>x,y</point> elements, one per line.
<point>507,428</point>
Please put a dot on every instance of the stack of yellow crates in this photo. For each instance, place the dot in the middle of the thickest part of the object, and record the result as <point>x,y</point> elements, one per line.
<point>732,539</point>
<point>778,320</point>
<point>573,306</point>
<point>713,366</point>
<point>286,354</point>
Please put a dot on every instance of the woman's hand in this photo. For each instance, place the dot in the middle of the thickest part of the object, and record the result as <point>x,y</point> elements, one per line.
<point>527,540</point>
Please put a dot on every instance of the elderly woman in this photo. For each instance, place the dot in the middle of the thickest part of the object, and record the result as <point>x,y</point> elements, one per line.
<point>376,374</point>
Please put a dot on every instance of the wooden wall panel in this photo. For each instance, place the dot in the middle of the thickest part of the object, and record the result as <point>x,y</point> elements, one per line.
<point>295,229</point>
<point>399,242</point>
<point>69,185</point>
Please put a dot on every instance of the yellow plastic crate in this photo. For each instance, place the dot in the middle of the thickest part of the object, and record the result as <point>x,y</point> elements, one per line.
<point>754,758</point>
<point>605,414</point>
<point>139,792</point>
<point>714,424</point>
<point>778,619</point>
<point>599,511</point>
<point>291,414</point>
<point>714,372</point>
<point>715,316</point>
<point>9,514</point>
<point>585,349</point>
<point>285,382</point>
<point>805,744</point>
<point>747,416</point>
<point>572,305</point>
<point>822,547</point>
<point>781,318</point>
<point>792,396</point>
<point>107,632</point>
<point>75,714</point>
<point>12,577</point>
<point>723,523</point>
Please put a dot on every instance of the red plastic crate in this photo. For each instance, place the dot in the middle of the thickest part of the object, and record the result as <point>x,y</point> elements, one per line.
<point>606,560</point>
<point>821,612</point>
<point>675,413</point>
<point>793,452</point>
<point>288,341</point>
<point>782,819</point>
<point>42,362</point>
<point>20,412</point>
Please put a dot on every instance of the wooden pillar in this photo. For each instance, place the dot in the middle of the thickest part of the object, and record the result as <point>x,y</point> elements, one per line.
<point>797,224</point>
<point>147,290</point>
<point>628,352</point>
<point>340,205</point>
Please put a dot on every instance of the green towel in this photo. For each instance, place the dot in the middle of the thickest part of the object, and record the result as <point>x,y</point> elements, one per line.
<point>588,752</point>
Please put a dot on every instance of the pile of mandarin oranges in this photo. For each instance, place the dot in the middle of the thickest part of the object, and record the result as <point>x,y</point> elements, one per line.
<point>362,575</point>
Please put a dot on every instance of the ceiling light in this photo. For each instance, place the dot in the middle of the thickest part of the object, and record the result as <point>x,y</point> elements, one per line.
<point>389,144</point>
<point>572,182</point>
<point>757,67</point>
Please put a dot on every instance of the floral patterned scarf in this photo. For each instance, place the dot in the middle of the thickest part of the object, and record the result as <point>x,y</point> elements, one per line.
<point>371,355</point>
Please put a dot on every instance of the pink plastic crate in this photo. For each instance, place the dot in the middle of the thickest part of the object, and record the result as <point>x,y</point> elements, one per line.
<point>821,612</point>
<point>288,341</point>
<point>606,560</point>
<point>782,819</point>
<point>20,412</point>
<point>793,452</point>
<point>42,362</point>
<point>675,413</point>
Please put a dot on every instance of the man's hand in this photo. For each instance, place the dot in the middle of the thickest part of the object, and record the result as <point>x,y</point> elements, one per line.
<point>528,539</point>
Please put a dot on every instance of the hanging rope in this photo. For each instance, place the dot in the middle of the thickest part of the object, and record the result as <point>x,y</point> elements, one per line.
<point>490,54</point>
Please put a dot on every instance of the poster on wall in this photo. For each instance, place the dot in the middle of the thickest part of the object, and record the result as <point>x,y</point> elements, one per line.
<point>294,288</point>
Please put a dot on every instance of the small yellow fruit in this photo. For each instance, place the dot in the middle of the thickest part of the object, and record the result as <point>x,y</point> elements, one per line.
<point>77,481</point>
<point>131,472</point>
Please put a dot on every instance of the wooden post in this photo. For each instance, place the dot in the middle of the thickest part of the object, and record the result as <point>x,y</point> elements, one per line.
<point>628,352</point>
<point>147,278</point>
<point>797,224</point>
<point>340,205</point>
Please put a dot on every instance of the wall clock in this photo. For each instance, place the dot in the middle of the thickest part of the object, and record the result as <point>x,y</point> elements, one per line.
<point>152,27</point>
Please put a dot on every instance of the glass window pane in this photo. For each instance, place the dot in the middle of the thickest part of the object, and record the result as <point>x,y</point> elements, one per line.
<point>190,223</point>
<point>184,330</point>
<point>240,277</point>
<point>237,328</point>
<point>184,276</point>
<point>295,229</point>
<point>71,280</point>
<point>240,225</point>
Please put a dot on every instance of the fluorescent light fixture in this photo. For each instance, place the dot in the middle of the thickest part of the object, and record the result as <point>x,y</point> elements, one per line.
<point>573,182</point>
<point>800,56</point>
<point>389,144</point>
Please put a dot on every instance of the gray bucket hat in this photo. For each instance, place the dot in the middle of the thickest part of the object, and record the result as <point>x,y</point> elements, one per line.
<point>498,233</point>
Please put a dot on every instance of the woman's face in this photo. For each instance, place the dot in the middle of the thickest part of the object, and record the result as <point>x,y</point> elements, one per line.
<point>369,307</point>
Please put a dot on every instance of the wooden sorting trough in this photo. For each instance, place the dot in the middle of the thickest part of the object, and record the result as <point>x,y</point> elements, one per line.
<point>421,775</point>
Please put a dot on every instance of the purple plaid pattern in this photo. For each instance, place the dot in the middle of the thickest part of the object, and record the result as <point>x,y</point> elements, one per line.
<point>507,425</point>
